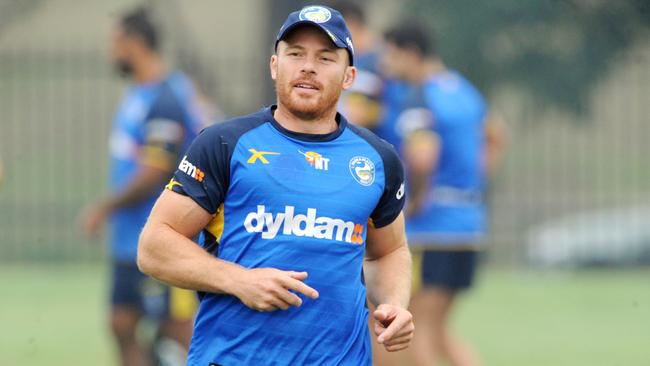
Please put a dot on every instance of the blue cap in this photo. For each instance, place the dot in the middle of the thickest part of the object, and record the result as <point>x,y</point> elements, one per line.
<point>327,19</point>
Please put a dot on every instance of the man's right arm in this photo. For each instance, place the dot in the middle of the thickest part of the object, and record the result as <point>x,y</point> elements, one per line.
<point>166,252</point>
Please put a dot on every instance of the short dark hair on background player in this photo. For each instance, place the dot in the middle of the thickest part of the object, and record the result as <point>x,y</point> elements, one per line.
<point>350,10</point>
<point>413,36</point>
<point>138,22</point>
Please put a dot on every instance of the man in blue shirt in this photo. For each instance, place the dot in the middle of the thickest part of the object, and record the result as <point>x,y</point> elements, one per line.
<point>437,119</point>
<point>294,202</point>
<point>155,122</point>
<point>361,103</point>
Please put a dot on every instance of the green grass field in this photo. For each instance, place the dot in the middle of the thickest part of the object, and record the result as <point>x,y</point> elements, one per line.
<point>54,315</point>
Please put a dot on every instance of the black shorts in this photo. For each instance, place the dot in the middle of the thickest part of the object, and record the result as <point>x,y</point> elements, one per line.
<point>451,270</point>
<point>131,288</point>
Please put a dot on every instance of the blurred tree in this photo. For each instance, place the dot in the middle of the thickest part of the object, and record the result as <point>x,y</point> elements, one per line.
<point>555,50</point>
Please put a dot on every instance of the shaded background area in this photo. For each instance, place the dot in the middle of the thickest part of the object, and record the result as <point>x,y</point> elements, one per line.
<point>571,79</point>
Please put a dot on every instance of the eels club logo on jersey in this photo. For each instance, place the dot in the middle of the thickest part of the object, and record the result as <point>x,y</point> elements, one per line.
<point>190,169</point>
<point>316,14</point>
<point>316,160</point>
<point>362,170</point>
<point>310,225</point>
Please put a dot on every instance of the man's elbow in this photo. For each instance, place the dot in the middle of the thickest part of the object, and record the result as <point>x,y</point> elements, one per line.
<point>145,259</point>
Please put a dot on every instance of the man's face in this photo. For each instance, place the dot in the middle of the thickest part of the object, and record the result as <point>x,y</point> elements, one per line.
<point>310,72</point>
<point>121,52</point>
<point>396,62</point>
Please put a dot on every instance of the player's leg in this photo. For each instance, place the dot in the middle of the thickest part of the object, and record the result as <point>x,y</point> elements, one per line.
<point>444,274</point>
<point>175,328</point>
<point>432,308</point>
<point>180,317</point>
<point>125,314</point>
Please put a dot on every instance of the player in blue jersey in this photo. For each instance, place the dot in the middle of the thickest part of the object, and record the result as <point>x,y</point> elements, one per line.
<point>361,103</point>
<point>294,202</point>
<point>438,121</point>
<point>154,124</point>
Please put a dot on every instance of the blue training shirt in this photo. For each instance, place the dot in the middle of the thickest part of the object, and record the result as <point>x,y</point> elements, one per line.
<point>290,201</point>
<point>453,212</point>
<point>154,124</point>
<point>395,99</point>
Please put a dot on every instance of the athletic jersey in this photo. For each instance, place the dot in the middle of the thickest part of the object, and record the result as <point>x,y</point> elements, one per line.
<point>154,124</point>
<point>290,201</point>
<point>368,80</point>
<point>453,212</point>
<point>395,96</point>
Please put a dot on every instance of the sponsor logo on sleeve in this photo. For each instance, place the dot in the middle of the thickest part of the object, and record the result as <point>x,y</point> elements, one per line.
<point>173,182</point>
<point>190,169</point>
<point>400,192</point>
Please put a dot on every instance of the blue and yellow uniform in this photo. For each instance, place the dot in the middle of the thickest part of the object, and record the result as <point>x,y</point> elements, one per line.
<point>154,124</point>
<point>291,201</point>
<point>361,103</point>
<point>452,216</point>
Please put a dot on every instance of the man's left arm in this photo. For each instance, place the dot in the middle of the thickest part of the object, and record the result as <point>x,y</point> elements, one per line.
<point>387,271</point>
<point>387,268</point>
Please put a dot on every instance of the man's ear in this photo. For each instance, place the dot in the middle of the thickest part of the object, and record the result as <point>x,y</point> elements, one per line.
<point>349,76</point>
<point>273,65</point>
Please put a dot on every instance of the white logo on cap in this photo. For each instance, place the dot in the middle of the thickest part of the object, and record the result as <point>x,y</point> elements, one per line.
<point>316,14</point>
<point>332,36</point>
<point>349,42</point>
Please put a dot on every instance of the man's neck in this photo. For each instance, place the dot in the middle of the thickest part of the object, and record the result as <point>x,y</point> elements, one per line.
<point>149,69</point>
<point>323,125</point>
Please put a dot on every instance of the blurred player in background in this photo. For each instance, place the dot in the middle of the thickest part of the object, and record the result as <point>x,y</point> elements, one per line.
<point>295,202</point>
<point>154,124</point>
<point>438,120</point>
<point>361,104</point>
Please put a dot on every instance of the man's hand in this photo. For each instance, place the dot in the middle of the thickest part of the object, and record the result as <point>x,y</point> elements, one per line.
<point>93,217</point>
<point>269,289</point>
<point>393,326</point>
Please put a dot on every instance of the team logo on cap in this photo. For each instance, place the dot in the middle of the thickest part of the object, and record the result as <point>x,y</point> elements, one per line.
<point>362,170</point>
<point>316,14</point>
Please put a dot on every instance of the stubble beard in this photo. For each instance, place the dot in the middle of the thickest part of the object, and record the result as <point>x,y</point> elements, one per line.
<point>310,111</point>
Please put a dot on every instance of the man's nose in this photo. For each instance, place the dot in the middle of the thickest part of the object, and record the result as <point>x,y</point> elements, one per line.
<point>309,66</point>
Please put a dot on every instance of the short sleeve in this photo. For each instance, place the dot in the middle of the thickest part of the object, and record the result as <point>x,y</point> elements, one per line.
<point>392,200</point>
<point>203,172</point>
<point>164,132</point>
